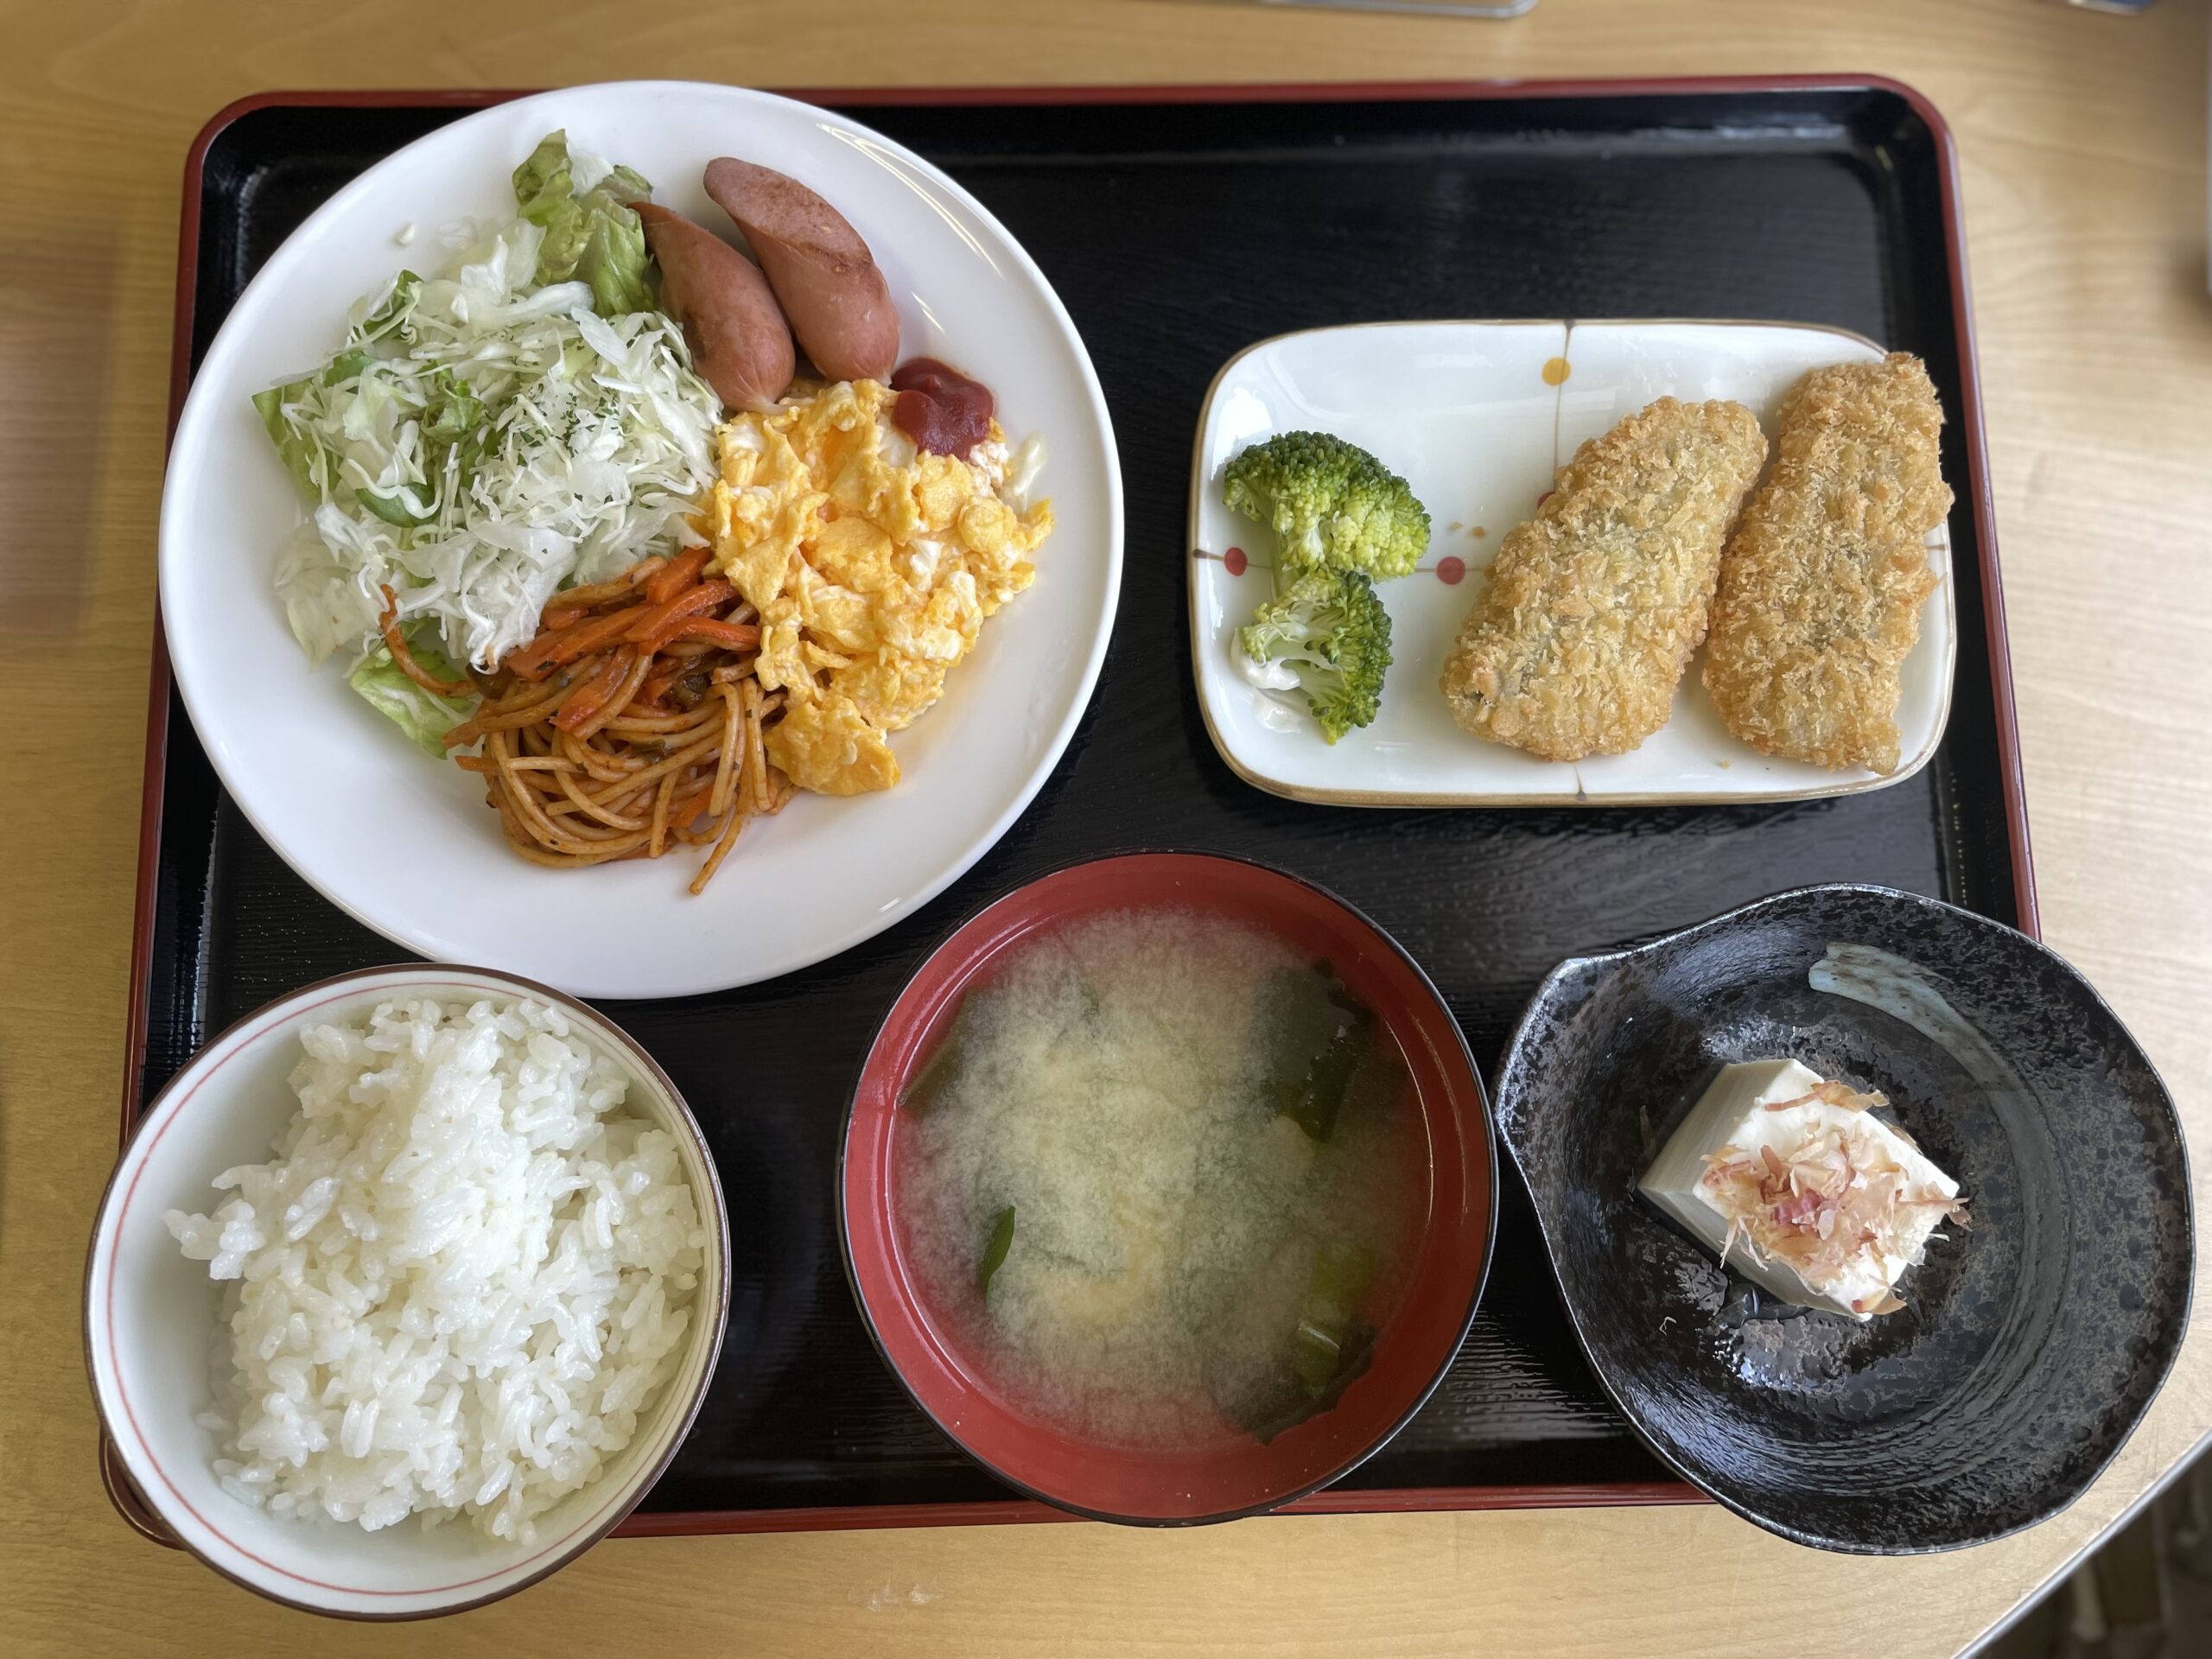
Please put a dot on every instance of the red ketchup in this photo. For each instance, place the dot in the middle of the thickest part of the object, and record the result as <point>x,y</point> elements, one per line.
<point>939,408</point>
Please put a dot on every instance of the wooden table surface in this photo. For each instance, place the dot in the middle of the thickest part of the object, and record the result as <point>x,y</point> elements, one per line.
<point>2084,141</point>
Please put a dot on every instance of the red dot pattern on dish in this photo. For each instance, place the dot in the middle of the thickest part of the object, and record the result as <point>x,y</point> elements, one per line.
<point>1234,560</point>
<point>1451,569</point>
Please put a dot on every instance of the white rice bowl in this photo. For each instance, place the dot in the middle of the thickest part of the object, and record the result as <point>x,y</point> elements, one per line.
<point>464,1272</point>
<point>406,1290</point>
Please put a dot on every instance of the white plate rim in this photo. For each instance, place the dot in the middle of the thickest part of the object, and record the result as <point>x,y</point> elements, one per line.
<point>1383,798</point>
<point>202,390</point>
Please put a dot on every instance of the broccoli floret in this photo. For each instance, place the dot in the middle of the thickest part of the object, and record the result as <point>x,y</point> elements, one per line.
<point>1329,628</point>
<point>1330,503</point>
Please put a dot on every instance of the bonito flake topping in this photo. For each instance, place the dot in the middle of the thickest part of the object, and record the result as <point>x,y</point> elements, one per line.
<point>1830,1204</point>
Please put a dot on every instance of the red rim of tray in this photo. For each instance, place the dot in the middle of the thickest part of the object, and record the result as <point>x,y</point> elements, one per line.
<point>1244,1476</point>
<point>672,1524</point>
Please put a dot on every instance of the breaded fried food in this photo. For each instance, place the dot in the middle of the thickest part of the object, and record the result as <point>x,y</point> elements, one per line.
<point>1822,587</point>
<point>1592,608</point>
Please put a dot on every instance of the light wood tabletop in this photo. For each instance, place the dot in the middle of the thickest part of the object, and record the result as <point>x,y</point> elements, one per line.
<point>2083,145</point>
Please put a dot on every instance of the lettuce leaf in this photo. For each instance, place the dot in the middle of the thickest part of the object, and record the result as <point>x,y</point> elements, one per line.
<point>544,182</point>
<point>391,313</point>
<point>591,236</point>
<point>423,716</point>
<point>305,455</point>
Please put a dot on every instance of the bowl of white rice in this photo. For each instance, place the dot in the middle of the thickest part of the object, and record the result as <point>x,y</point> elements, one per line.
<point>406,1290</point>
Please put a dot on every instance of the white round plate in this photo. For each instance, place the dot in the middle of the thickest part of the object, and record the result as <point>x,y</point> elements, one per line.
<point>406,844</point>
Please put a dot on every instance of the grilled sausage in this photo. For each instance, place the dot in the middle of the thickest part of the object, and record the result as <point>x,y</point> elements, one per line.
<point>739,342</point>
<point>831,290</point>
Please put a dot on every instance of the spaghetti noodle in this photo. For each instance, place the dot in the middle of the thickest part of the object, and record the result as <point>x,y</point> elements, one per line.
<point>631,725</point>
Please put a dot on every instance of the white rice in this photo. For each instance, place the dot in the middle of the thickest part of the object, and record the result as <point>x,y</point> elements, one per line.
<point>460,1283</point>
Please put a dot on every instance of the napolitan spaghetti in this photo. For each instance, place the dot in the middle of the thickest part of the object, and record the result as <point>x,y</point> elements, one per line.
<point>631,725</point>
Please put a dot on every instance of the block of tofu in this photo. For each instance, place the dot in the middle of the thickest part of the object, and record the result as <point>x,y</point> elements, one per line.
<point>1794,1182</point>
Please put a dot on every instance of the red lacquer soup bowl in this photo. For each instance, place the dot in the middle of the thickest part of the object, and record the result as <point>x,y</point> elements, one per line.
<point>1235,1474</point>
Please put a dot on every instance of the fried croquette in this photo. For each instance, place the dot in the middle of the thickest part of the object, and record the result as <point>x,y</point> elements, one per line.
<point>1593,607</point>
<point>1822,587</point>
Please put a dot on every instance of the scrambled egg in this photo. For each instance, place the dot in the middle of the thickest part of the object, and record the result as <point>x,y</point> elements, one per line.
<point>872,567</point>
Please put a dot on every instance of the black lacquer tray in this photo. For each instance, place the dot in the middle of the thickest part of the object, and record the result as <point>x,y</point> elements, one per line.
<point>1178,225</point>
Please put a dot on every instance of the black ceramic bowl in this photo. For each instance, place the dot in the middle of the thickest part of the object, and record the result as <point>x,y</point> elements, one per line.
<point>2030,1344</point>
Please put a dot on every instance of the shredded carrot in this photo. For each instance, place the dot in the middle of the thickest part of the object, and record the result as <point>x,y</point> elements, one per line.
<point>535,660</point>
<point>682,571</point>
<point>737,636</point>
<point>604,592</point>
<point>613,703</point>
<point>655,623</point>
<point>663,681</point>
<point>584,638</point>
<point>588,699</point>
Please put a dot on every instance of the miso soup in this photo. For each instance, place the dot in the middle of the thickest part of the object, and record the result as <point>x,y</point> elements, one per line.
<point>1160,1180</point>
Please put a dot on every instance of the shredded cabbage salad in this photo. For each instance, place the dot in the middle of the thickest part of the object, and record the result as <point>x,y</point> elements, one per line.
<point>487,436</point>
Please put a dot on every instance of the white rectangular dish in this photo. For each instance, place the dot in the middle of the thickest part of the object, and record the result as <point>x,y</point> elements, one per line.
<point>1477,417</point>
